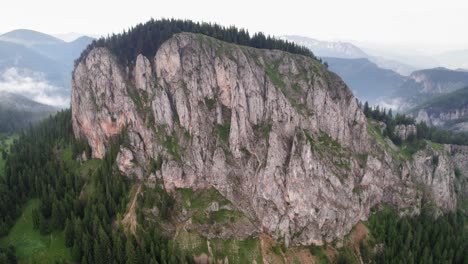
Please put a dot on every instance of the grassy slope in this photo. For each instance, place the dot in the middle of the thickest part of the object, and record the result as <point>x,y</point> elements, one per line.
<point>5,143</point>
<point>236,251</point>
<point>31,246</point>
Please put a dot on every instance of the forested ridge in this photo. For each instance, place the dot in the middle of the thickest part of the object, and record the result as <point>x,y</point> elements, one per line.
<point>148,37</point>
<point>13,120</point>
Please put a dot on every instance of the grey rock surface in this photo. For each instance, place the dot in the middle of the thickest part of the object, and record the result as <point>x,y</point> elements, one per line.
<point>277,134</point>
<point>405,131</point>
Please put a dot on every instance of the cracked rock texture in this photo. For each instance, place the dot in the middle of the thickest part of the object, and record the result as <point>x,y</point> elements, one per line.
<point>277,134</point>
<point>405,131</point>
<point>454,119</point>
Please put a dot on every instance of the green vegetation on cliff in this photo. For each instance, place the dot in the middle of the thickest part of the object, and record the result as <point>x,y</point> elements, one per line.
<point>433,134</point>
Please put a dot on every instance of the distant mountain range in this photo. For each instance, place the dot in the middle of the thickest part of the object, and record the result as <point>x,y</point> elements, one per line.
<point>18,112</point>
<point>388,76</point>
<point>38,65</point>
<point>368,81</point>
<point>328,48</point>
<point>13,55</point>
<point>346,50</point>
<point>389,89</point>
<point>394,65</point>
<point>29,38</point>
<point>72,36</point>
<point>22,104</point>
<point>424,85</point>
<point>434,81</point>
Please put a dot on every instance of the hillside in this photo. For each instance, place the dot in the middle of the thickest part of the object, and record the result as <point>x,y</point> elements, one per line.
<point>28,37</point>
<point>41,64</point>
<point>64,52</point>
<point>20,57</point>
<point>18,112</point>
<point>396,66</point>
<point>367,81</point>
<point>449,111</point>
<point>424,85</point>
<point>372,81</point>
<point>435,81</point>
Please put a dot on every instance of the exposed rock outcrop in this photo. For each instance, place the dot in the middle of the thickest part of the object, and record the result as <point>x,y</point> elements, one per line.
<point>459,156</point>
<point>435,172</point>
<point>405,131</point>
<point>454,119</point>
<point>424,86</point>
<point>439,80</point>
<point>277,134</point>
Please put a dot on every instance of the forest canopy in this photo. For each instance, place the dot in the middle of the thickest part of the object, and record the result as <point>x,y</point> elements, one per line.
<point>148,37</point>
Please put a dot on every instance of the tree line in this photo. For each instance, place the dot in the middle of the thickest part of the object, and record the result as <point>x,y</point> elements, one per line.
<point>148,37</point>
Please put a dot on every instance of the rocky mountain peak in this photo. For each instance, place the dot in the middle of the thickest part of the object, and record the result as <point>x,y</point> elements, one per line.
<point>277,134</point>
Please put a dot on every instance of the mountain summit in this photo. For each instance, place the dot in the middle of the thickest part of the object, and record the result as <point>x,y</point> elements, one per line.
<point>278,136</point>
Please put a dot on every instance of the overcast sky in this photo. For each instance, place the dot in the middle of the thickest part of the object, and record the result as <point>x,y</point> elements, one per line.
<point>427,24</point>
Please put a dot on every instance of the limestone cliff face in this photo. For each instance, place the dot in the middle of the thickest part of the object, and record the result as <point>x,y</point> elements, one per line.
<point>439,80</point>
<point>459,156</point>
<point>434,170</point>
<point>453,119</point>
<point>405,131</point>
<point>277,134</point>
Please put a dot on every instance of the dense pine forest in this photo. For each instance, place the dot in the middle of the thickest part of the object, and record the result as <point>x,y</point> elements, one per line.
<point>83,201</point>
<point>422,239</point>
<point>426,238</point>
<point>147,38</point>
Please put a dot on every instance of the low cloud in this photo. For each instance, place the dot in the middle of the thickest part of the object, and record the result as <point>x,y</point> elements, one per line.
<point>32,85</point>
<point>396,104</point>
